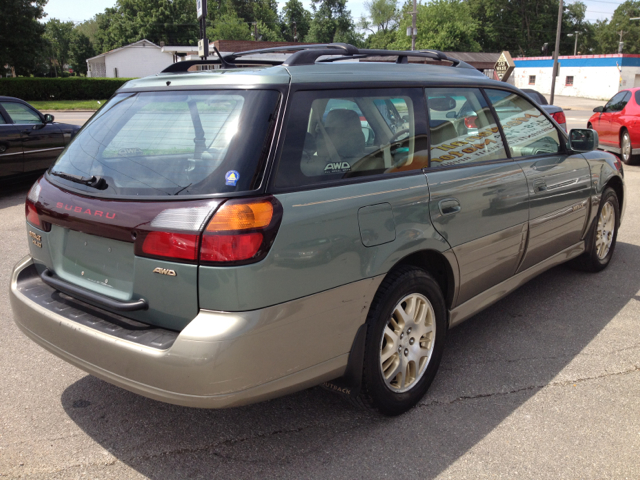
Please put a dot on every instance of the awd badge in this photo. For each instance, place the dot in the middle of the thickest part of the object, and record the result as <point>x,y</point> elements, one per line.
<point>165,271</point>
<point>36,239</point>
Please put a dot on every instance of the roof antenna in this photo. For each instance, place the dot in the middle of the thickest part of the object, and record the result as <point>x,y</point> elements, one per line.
<point>222,60</point>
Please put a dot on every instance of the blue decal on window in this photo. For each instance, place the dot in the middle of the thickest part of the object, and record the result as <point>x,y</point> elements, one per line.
<point>231,178</point>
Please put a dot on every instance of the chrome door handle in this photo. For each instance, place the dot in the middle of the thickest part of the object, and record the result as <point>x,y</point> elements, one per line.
<point>449,206</point>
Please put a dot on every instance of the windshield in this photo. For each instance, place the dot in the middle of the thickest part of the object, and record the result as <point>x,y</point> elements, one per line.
<point>171,143</point>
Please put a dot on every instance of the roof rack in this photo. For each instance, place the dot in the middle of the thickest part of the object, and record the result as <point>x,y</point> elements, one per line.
<point>308,54</point>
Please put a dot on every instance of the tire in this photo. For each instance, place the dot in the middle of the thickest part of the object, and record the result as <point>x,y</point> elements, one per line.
<point>411,348</point>
<point>626,152</point>
<point>601,241</point>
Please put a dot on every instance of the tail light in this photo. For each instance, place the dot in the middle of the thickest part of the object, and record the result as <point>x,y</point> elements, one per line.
<point>240,232</point>
<point>470,122</point>
<point>560,118</point>
<point>30,208</point>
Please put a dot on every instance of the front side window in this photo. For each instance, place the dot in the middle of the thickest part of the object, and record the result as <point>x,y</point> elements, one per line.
<point>463,129</point>
<point>336,135</point>
<point>527,130</point>
<point>173,143</point>
<point>618,102</point>
<point>21,114</point>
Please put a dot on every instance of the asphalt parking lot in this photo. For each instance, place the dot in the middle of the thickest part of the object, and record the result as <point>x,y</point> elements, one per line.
<point>544,384</point>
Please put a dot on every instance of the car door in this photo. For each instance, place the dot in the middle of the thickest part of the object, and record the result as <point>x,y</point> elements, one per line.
<point>478,196</point>
<point>616,119</point>
<point>41,142</point>
<point>559,183</point>
<point>10,146</point>
<point>605,132</point>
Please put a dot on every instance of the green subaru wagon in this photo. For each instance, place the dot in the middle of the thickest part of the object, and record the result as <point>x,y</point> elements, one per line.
<point>221,237</point>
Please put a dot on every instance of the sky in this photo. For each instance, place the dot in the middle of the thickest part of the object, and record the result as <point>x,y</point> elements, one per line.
<point>80,10</point>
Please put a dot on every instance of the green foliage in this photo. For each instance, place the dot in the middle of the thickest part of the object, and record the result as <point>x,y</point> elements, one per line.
<point>229,27</point>
<point>170,21</point>
<point>58,35</point>
<point>21,35</point>
<point>73,88</point>
<point>294,11</point>
<point>446,25</point>
<point>607,33</point>
<point>382,22</point>
<point>332,22</point>
<point>80,49</point>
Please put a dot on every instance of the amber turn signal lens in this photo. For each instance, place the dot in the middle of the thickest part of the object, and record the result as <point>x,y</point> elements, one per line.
<point>241,216</point>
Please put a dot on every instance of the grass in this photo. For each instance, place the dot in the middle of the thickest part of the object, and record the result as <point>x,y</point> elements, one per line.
<point>68,105</point>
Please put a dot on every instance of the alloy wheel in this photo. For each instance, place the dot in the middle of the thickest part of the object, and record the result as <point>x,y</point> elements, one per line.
<point>626,147</point>
<point>605,230</point>
<point>407,343</point>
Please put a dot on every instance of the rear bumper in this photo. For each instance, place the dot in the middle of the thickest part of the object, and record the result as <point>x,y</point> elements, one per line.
<point>218,360</point>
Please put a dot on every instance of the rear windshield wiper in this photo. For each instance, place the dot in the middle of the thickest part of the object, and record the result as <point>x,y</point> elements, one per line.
<point>93,181</point>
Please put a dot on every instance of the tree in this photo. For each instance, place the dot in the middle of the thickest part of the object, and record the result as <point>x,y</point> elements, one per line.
<point>58,34</point>
<point>170,21</point>
<point>382,22</point>
<point>229,27</point>
<point>80,49</point>
<point>21,35</point>
<point>607,34</point>
<point>332,22</point>
<point>442,25</point>
<point>294,11</point>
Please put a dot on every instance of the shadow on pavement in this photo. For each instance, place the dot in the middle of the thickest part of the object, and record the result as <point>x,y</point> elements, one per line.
<point>493,364</point>
<point>13,191</point>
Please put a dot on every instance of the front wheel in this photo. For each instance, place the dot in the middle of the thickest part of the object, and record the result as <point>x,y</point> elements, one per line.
<point>405,339</point>
<point>601,241</point>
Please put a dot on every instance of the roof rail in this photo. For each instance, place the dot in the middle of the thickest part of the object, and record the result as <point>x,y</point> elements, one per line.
<point>308,54</point>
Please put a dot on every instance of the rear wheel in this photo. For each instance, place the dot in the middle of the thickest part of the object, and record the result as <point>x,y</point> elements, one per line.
<point>405,339</point>
<point>601,241</point>
<point>626,152</point>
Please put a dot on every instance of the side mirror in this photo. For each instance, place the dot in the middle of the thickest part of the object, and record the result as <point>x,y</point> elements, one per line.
<point>598,109</point>
<point>582,140</point>
<point>48,118</point>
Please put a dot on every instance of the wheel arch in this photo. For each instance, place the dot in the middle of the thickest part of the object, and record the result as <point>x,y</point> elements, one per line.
<point>439,266</point>
<point>616,183</point>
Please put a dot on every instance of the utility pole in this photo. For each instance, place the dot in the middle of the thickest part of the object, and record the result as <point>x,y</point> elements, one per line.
<point>620,44</point>
<point>556,54</point>
<point>295,31</point>
<point>414,30</point>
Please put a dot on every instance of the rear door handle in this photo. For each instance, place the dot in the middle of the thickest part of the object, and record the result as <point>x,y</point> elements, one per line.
<point>449,206</point>
<point>540,186</point>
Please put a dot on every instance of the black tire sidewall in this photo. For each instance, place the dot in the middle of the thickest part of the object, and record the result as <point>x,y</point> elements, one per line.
<point>410,281</point>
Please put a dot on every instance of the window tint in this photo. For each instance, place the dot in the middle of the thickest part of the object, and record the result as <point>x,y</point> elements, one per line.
<point>174,143</point>
<point>334,135</point>
<point>527,130</point>
<point>21,114</point>
<point>2,119</point>
<point>463,129</point>
<point>618,102</point>
<point>637,96</point>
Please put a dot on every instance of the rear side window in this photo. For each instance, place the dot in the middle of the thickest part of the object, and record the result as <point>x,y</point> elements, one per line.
<point>527,130</point>
<point>174,143</point>
<point>463,129</point>
<point>336,135</point>
<point>21,114</point>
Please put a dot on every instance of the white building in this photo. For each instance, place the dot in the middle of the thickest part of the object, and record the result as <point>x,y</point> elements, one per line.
<point>589,76</point>
<point>138,59</point>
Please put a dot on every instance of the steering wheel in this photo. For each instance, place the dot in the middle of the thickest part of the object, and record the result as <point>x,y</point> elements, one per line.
<point>397,135</point>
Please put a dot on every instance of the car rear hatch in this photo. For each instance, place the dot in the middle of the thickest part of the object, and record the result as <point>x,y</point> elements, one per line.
<point>118,221</point>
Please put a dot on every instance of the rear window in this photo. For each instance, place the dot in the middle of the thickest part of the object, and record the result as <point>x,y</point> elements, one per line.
<point>172,143</point>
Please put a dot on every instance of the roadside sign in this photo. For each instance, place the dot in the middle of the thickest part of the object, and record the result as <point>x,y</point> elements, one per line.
<point>199,8</point>
<point>203,47</point>
<point>504,67</point>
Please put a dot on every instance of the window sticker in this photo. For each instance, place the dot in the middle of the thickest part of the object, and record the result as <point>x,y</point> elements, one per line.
<point>337,167</point>
<point>231,178</point>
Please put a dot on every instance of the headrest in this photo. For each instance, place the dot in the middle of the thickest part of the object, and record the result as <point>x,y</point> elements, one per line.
<point>345,130</point>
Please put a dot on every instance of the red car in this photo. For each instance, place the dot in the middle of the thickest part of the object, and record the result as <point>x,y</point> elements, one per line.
<point>618,125</point>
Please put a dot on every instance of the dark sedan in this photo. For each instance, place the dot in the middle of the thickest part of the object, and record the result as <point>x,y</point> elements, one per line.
<point>29,140</point>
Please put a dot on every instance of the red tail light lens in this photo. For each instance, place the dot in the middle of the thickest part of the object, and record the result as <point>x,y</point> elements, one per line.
<point>470,122</point>
<point>559,117</point>
<point>181,246</point>
<point>230,248</point>
<point>32,214</point>
<point>241,232</point>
